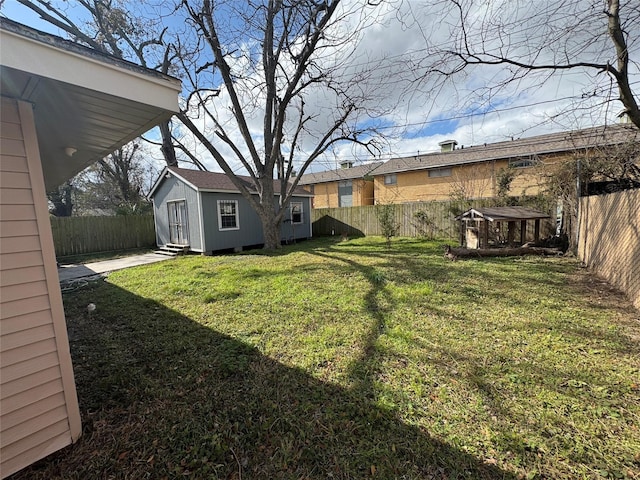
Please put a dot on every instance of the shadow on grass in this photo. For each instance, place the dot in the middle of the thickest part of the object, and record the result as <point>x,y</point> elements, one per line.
<point>162,396</point>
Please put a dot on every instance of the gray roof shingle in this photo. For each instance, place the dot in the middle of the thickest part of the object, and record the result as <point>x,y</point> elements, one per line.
<point>340,174</point>
<point>221,182</point>
<point>502,214</point>
<point>541,144</point>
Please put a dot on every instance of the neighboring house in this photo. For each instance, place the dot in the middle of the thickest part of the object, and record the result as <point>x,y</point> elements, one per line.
<point>348,186</point>
<point>62,108</point>
<point>474,172</point>
<point>206,212</point>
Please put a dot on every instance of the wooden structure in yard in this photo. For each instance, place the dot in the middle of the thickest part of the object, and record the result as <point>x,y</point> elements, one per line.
<point>475,223</point>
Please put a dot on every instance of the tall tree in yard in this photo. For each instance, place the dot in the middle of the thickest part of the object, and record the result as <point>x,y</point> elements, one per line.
<point>115,184</point>
<point>61,200</point>
<point>269,85</point>
<point>110,26</point>
<point>269,91</point>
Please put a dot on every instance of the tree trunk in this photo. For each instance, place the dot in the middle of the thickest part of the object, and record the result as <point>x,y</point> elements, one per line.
<point>61,200</point>
<point>168,150</point>
<point>270,229</point>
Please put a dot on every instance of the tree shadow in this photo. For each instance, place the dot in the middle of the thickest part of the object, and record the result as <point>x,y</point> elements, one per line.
<point>163,396</point>
<point>328,225</point>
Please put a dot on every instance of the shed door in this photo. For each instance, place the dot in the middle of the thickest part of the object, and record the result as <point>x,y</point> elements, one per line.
<point>178,229</point>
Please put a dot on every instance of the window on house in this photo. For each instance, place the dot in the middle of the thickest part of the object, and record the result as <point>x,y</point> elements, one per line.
<point>440,172</point>
<point>228,215</point>
<point>345,193</point>
<point>522,162</point>
<point>296,212</point>
<point>390,179</point>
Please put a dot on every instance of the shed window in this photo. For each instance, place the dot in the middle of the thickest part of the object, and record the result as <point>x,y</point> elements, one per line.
<point>228,215</point>
<point>440,172</point>
<point>296,212</point>
<point>390,179</point>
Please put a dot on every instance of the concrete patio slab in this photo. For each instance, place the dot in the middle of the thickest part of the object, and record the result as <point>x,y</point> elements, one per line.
<point>72,272</point>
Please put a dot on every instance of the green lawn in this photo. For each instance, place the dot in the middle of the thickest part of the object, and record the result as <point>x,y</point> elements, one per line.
<point>332,360</point>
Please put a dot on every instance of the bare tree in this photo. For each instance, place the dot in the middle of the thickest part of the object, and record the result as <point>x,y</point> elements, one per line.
<point>61,200</point>
<point>271,92</point>
<point>116,184</point>
<point>114,28</point>
<point>597,37</point>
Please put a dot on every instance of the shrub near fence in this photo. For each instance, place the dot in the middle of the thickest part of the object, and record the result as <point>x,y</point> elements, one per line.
<point>80,235</point>
<point>439,216</point>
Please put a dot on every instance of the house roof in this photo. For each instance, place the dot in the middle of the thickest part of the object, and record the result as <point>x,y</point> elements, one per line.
<point>84,100</point>
<point>216,182</point>
<point>339,174</point>
<point>541,144</point>
<point>501,214</point>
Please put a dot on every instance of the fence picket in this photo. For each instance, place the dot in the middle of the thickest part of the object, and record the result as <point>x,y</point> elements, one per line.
<point>80,235</point>
<point>363,220</point>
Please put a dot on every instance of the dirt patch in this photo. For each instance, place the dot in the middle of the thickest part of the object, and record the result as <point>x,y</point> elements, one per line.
<point>601,294</point>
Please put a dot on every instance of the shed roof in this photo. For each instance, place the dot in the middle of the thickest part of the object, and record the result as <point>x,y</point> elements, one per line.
<point>216,182</point>
<point>339,174</point>
<point>501,214</point>
<point>538,145</point>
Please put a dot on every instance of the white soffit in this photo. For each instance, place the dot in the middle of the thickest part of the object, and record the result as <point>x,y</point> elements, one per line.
<point>58,59</point>
<point>83,100</point>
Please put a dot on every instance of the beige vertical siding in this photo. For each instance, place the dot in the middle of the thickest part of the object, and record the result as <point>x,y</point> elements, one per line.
<point>609,240</point>
<point>38,404</point>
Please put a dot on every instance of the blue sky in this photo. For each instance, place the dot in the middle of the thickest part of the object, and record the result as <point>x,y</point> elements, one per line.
<point>420,114</point>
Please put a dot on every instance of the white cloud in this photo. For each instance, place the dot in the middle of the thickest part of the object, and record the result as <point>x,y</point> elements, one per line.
<point>390,59</point>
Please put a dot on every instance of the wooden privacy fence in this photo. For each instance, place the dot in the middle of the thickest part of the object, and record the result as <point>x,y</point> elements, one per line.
<point>431,219</point>
<point>609,239</point>
<point>79,235</point>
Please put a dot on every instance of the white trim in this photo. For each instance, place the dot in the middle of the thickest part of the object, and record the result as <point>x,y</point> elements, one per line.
<point>155,221</point>
<point>162,177</point>
<point>186,211</point>
<point>104,74</point>
<point>201,222</point>
<point>301,212</point>
<point>237,215</point>
<point>390,177</point>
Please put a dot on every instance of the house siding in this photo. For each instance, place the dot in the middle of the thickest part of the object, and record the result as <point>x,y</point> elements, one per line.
<point>474,181</point>
<point>170,190</point>
<point>250,231</point>
<point>289,231</point>
<point>38,404</point>
<point>326,194</point>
